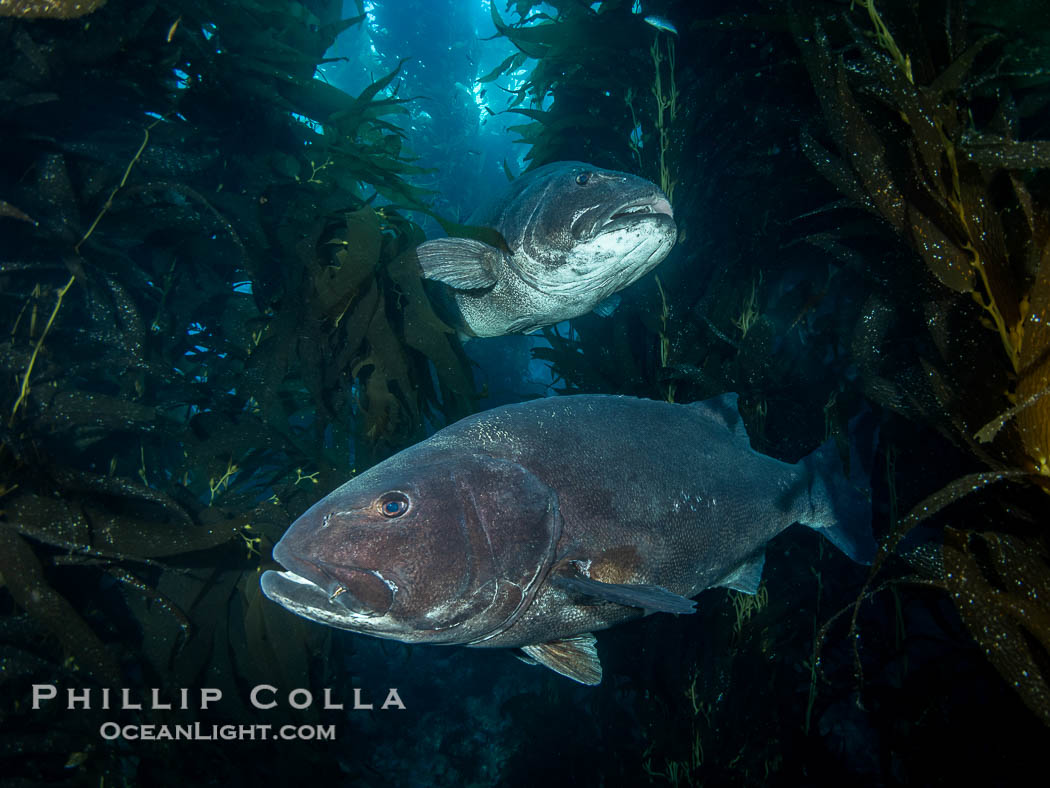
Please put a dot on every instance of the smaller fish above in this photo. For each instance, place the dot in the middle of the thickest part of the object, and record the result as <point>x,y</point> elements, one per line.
<point>661,24</point>
<point>567,236</point>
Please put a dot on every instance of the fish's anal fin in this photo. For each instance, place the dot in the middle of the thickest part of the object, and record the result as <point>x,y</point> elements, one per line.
<point>607,306</point>
<point>462,263</point>
<point>746,577</point>
<point>575,657</point>
<point>526,660</point>
<point>651,599</point>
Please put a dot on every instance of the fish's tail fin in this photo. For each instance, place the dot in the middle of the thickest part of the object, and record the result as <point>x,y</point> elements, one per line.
<point>840,505</point>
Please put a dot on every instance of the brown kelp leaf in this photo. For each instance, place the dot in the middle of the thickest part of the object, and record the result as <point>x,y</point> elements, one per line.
<point>984,227</point>
<point>83,410</point>
<point>425,332</point>
<point>357,258</point>
<point>123,491</point>
<point>920,108</point>
<point>834,169</point>
<point>270,646</point>
<point>856,140</point>
<point>24,577</point>
<point>1033,385</point>
<point>951,79</point>
<point>10,211</point>
<point>867,155</point>
<point>206,600</point>
<point>107,526</point>
<point>49,9</point>
<point>390,400</point>
<point>950,264</point>
<point>1001,587</point>
<point>1008,154</point>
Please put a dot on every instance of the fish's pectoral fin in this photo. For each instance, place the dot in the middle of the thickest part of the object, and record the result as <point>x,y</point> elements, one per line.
<point>746,577</point>
<point>651,599</point>
<point>607,306</point>
<point>575,657</point>
<point>462,263</point>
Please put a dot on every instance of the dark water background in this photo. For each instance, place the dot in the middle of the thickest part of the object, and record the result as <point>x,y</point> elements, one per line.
<point>211,318</point>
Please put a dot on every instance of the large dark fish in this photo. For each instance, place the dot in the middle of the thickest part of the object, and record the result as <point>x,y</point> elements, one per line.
<point>575,234</point>
<point>533,525</point>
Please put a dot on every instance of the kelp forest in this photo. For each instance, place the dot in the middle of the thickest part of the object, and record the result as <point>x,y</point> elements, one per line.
<point>211,316</point>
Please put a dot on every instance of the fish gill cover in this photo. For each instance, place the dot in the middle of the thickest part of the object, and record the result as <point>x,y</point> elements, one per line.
<point>211,320</point>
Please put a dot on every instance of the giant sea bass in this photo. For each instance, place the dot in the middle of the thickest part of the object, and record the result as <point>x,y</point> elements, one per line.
<point>533,525</point>
<point>568,237</point>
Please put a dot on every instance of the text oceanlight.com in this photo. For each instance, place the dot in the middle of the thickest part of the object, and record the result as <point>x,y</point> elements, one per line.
<point>203,732</point>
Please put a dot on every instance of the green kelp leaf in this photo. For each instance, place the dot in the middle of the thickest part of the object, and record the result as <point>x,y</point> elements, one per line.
<point>487,235</point>
<point>286,165</point>
<point>519,96</point>
<point>370,92</point>
<point>555,124</point>
<point>333,29</point>
<point>531,41</point>
<point>528,133</point>
<point>315,99</point>
<point>511,63</point>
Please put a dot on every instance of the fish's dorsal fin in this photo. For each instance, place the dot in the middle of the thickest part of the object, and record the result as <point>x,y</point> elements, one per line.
<point>723,410</point>
<point>575,657</point>
<point>651,599</point>
<point>746,577</point>
<point>462,263</point>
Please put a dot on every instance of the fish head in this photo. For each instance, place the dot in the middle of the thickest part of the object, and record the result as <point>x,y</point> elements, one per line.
<point>588,230</point>
<point>448,548</point>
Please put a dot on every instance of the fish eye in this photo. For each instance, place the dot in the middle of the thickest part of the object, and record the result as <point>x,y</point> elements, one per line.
<point>392,504</point>
<point>582,178</point>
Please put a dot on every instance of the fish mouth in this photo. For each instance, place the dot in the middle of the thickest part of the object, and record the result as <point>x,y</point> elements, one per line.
<point>653,206</point>
<point>323,591</point>
<point>642,207</point>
